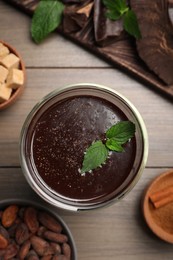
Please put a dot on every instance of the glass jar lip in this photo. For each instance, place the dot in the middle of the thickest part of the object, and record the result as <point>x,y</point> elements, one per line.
<point>77,87</point>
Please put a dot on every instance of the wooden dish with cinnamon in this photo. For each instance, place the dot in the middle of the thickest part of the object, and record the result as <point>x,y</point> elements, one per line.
<point>158,206</point>
<point>12,75</point>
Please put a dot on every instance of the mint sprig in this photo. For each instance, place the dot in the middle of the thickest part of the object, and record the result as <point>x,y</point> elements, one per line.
<point>117,9</point>
<point>46,19</point>
<point>121,132</point>
<point>98,152</point>
<point>95,155</point>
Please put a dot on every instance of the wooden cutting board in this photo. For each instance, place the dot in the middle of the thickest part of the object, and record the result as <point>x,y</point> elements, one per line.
<point>122,54</point>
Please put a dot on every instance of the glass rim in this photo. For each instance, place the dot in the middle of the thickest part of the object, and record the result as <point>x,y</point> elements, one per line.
<point>78,206</point>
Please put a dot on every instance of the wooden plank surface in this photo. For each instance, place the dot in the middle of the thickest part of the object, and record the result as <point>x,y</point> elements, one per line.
<point>55,51</point>
<point>156,111</point>
<point>122,53</point>
<point>117,232</point>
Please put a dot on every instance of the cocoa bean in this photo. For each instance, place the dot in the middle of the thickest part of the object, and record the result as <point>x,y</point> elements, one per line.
<point>66,250</point>
<point>49,222</point>
<point>23,251</point>
<point>2,253</point>
<point>3,242</point>
<point>60,257</point>
<point>41,231</point>
<point>55,237</point>
<point>11,251</point>
<point>12,230</point>
<point>4,233</point>
<point>46,257</point>
<point>30,218</point>
<point>22,233</point>
<point>56,248</point>
<point>32,255</point>
<point>40,245</point>
<point>9,215</point>
<point>29,234</point>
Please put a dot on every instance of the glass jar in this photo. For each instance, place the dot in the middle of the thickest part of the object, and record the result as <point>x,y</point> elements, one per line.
<point>94,104</point>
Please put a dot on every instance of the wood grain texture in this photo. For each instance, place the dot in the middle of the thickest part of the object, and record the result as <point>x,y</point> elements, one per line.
<point>55,51</point>
<point>156,113</point>
<point>122,54</point>
<point>117,232</point>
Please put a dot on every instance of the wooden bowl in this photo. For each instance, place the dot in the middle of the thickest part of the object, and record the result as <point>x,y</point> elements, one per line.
<point>16,93</point>
<point>159,220</point>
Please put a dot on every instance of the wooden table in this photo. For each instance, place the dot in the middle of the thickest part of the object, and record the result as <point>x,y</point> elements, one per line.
<point>118,231</point>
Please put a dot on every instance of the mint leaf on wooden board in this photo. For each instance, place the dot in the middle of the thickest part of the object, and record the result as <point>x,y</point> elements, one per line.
<point>117,9</point>
<point>121,6</point>
<point>46,19</point>
<point>130,24</point>
<point>113,12</point>
<point>95,155</point>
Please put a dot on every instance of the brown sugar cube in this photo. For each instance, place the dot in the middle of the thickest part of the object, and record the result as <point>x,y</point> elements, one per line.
<point>4,51</point>
<point>3,74</point>
<point>15,79</point>
<point>10,61</point>
<point>5,93</point>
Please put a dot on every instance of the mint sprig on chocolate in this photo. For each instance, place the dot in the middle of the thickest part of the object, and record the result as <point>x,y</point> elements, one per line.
<point>118,9</point>
<point>47,17</point>
<point>116,136</point>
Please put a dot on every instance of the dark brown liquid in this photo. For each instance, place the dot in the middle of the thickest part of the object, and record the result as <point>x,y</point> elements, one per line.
<point>60,138</point>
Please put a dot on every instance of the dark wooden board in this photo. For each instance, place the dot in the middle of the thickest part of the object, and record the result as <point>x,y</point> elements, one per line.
<point>121,54</point>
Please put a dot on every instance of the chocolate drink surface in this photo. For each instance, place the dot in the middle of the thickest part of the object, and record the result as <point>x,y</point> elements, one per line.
<point>59,138</point>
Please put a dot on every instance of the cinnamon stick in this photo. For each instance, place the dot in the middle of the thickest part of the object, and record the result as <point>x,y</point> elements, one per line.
<point>164,201</point>
<point>162,197</point>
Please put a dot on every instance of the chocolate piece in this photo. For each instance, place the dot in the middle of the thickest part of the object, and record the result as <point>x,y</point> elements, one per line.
<point>78,21</point>
<point>170,3</point>
<point>170,10</point>
<point>156,45</point>
<point>69,23</point>
<point>86,35</point>
<point>76,16</point>
<point>121,54</point>
<point>106,30</point>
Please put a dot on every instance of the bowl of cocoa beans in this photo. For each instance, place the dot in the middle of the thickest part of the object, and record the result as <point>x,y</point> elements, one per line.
<point>31,231</point>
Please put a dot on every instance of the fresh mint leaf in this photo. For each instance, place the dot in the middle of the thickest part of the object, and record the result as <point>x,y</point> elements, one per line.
<point>117,9</point>
<point>118,6</point>
<point>121,6</point>
<point>95,155</point>
<point>121,132</point>
<point>113,12</point>
<point>130,24</point>
<point>113,145</point>
<point>109,4</point>
<point>114,15</point>
<point>46,19</point>
<point>116,136</point>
